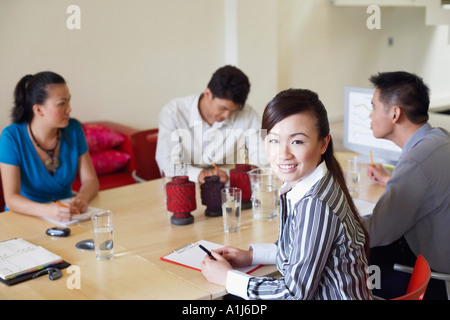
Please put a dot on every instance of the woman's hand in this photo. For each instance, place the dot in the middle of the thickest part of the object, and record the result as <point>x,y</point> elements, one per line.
<point>80,204</point>
<point>236,257</point>
<point>215,271</point>
<point>61,213</point>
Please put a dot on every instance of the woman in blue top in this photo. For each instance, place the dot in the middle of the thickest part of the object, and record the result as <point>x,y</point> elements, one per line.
<point>42,150</point>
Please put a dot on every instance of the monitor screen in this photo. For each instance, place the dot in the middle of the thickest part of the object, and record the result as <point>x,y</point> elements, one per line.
<point>358,136</point>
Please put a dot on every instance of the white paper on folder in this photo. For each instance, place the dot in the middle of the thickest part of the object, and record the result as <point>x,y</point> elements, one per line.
<point>192,256</point>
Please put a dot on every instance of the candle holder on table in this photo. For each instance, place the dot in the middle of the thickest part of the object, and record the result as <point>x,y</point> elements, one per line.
<point>239,178</point>
<point>181,200</point>
<point>211,197</point>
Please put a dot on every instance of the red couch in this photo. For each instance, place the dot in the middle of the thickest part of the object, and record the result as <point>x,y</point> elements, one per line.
<point>108,177</point>
<point>99,138</point>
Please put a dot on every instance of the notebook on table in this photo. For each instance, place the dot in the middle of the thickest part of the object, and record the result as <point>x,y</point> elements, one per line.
<point>20,260</point>
<point>191,256</point>
<point>75,217</point>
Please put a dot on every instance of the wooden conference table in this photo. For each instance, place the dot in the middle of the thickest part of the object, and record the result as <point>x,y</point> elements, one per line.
<point>142,235</point>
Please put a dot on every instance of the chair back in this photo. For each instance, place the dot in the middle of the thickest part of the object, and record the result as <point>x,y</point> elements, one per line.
<point>419,280</point>
<point>143,144</point>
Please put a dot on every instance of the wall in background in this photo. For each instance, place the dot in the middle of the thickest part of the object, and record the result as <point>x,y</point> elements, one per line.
<point>131,57</point>
<point>325,48</point>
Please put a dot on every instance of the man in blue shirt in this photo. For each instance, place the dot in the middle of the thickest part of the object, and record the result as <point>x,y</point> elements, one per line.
<point>412,216</point>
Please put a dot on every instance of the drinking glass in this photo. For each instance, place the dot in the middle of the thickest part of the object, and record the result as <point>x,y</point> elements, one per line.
<point>102,223</point>
<point>353,175</point>
<point>231,209</point>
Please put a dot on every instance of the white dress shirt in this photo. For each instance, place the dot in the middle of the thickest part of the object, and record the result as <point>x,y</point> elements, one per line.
<point>185,137</point>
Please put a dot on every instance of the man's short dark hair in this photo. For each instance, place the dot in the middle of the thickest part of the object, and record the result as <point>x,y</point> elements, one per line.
<point>230,83</point>
<point>405,90</point>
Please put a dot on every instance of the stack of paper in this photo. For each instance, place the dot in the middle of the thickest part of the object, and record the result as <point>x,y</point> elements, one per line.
<point>18,257</point>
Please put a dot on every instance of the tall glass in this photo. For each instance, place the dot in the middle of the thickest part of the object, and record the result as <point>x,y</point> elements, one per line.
<point>264,185</point>
<point>231,209</point>
<point>353,175</point>
<point>102,223</point>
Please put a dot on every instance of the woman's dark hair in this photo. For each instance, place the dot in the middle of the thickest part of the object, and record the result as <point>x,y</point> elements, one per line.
<point>230,83</point>
<point>32,90</point>
<point>294,101</point>
<point>405,90</point>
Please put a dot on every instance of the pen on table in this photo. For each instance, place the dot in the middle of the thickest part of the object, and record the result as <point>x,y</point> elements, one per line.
<point>371,158</point>
<point>207,251</point>
<point>63,205</point>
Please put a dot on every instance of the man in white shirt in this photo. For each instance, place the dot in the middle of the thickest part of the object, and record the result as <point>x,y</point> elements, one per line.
<point>212,128</point>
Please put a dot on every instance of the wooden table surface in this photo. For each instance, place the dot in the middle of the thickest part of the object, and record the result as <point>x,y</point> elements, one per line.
<point>143,234</point>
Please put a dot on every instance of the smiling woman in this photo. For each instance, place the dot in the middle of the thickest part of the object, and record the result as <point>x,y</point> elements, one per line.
<point>294,155</point>
<point>321,247</point>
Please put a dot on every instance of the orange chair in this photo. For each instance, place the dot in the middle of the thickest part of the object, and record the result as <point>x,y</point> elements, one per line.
<point>418,283</point>
<point>143,145</point>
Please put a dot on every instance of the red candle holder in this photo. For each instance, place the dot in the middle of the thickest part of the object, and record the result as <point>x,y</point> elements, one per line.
<point>239,178</point>
<point>181,200</point>
<point>211,197</point>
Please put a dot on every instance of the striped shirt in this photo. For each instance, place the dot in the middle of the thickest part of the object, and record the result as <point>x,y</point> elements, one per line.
<point>320,249</point>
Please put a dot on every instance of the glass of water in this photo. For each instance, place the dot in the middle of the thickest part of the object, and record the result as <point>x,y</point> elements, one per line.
<point>102,223</point>
<point>231,209</point>
<point>264,185</point>
<point>353,175</point>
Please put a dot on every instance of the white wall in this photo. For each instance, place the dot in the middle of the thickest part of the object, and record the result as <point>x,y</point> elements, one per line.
<point>258,49</point>
<point>128,60</point>
<point>132,56</point>
<point>325,48</point>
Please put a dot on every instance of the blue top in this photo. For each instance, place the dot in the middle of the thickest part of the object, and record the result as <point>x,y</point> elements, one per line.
<point>36,183</point>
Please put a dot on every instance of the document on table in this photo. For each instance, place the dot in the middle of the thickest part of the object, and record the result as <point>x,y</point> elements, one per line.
<point>75,217</point>
<point>191,256</point>
<point>18,257</point>
<point>365,208</point>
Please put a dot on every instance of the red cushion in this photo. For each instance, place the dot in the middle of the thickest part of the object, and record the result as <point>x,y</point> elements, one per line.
<point>114,180</point>
<point>108,161</point>
<point>108,181</point>
<point>99,137</point>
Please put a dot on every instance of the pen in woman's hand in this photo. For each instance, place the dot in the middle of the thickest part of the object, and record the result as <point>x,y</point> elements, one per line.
<point>63,205</point>
<point>207,251</point>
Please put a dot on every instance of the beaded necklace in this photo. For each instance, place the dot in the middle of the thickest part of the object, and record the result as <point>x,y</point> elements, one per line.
<point>52,163</point>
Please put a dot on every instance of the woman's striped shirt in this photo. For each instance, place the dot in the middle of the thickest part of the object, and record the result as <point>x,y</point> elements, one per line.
<point>320,247</point>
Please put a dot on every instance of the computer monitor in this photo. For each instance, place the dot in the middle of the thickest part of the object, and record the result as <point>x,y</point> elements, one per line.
<point>358,135</point>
